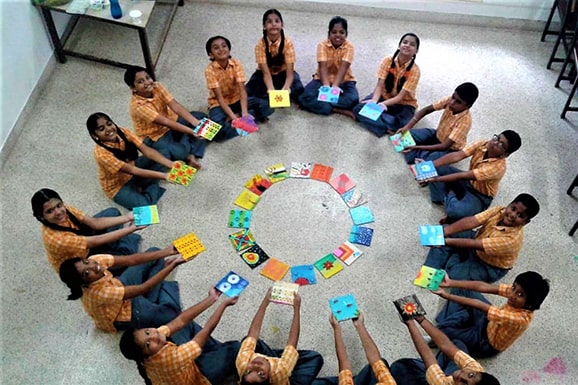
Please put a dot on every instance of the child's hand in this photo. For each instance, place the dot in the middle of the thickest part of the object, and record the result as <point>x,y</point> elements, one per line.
<point>403,130</point>
<point>333,321</point>
<point>214,294</point>
<point>439,292</point>
<point>129,217</point>
<point>359,321</point>
<point>383,105</point>
<point>267,297</point>
<point>174,261</point>
<point>296,301</point>
<point>446,282</point>
<point>230,301</point>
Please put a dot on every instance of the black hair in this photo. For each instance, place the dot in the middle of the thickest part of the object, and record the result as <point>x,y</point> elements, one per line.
<point>532,205</point>
<point>536,288</point>
<point>468,92</point>
<point>243,382</point>
<point>130,74</point>
<point>514,141</point>
<point>488,379</point>
<point>279,59</point>
<point>337,20</point>
<point>42,196</point>
<point>71,278</point>
<point>131,351</point>
<point>130,151</point>
<point>390,78</point>
<point>211,40</point>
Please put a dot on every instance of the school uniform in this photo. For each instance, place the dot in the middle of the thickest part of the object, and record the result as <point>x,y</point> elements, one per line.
<point>63,245</point>
<point>397,115</point>
<point>451,126</point>
<point>123,188</point>
<point>334,57</point>
<point>183,362</point>
<point>470,197</point>
<point>229,79</point>
<point>103,299</point>
<point>172,144</point>
<point>288,366</point>
<point>502,245</point>
<point>256,85</point>
<point>374,374</point>
<point>484,334</point>
<point>411,371</point>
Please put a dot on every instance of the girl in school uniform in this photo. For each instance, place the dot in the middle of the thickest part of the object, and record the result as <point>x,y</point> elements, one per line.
<point>182,352</point>
<point>334,58</point>
<point>225,78</point>
<point>68,232</point>
<point>397,79</point>
<point>275,56</point>
<point>137,298</point>
<point>124,176</point>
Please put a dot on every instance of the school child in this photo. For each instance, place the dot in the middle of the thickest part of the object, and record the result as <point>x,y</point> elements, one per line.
<point>453,127</point>
<point>487,329</point>
<point>275,56</point>
<point>377,372</point>
<point>490,252</point>
<point>138,297</point>
<point>466,193</point>
<point>453,365</point>
<point>181,352</point>
<point>228,98</point>
<point>258,363</point>
<point>124,176</point>
<point>397,79</point>
<point>334,59</point>
<point>68,232</point>
<point>161,121</point>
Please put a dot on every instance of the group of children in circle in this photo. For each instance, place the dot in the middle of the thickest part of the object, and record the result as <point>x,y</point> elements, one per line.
<point>121,289</point>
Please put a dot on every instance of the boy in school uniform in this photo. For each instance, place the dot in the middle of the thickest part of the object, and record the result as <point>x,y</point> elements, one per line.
<point>453,365</point>
<point>490,252</point>
<point>465,193</point>
<point>487,329</point>
<point>376,373</point>
<point>453,127</point>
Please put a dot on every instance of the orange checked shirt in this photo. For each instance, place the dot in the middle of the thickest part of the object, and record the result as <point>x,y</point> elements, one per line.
<point>109,167</point>
<point>436,376</point>
<point>506,324</point>
<point>63,245</point>
<point>411,80</point>
<point>501,243</point>
<point>175,365</point>
<point>227,79</point>
<point>326,52</point>
<point>103,299</point>
<point>288,53</point>
<point>379,369</point>
<point>488,172</point>
<point>143,112</point>
<point>453,126</point>
<point>281,368</point>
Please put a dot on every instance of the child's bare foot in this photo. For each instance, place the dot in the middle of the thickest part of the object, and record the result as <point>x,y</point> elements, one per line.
<point>443,220</point>
<point>194,162</point>
<point>345,112</point>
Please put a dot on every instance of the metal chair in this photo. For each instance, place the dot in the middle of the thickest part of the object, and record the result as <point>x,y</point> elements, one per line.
<point>567,13</point>
<point>568,106</point>
<point>569,192</point>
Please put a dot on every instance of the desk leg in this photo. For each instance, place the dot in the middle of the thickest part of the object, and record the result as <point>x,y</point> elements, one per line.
<point>58,50</point>
<point>146,52</point>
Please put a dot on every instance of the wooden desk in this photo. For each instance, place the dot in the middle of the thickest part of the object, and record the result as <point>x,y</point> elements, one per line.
<point>145,6</point>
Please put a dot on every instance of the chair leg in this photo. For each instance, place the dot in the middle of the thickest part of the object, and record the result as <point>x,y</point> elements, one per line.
<point>573,229</point>
<point>549,21</point>
<point>569,101</point>
<point>574,184</point>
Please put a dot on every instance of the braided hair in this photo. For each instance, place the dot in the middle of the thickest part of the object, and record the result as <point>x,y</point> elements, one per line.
<point>390,79</point>
<point>44,195</point>
<point>130,151</point>
<point>279,59</point>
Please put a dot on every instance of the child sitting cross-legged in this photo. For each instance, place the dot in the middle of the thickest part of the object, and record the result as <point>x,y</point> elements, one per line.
<point>490,252</point>
<point>487,329</point>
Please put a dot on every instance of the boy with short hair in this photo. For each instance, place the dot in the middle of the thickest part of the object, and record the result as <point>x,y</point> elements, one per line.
<point>486,329</point>
<point>376,373</point>
<point>465,193</point>
<point>453,364</point>
<point>453,127</point>
<point>490,252</point>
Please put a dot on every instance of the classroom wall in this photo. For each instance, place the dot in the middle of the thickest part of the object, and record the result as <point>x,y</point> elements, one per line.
<point>27,50</point>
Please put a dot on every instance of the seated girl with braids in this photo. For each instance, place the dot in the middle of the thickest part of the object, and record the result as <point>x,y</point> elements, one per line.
<point>138,297</point>
<point>127,179</point>
<point>397,79</point>
<point>68,232</point>
<point>182,352</point>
